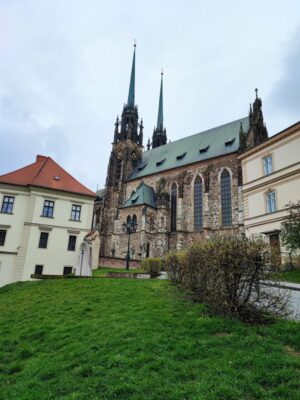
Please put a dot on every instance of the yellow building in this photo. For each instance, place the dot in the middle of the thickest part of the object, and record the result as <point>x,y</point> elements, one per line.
<point>44,216</point>
<point>271,179</point>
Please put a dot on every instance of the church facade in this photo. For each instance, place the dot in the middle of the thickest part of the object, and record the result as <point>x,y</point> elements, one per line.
<point>177,193</point>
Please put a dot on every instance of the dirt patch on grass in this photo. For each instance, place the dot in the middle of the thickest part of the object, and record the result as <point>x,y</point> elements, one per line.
<point>292,351</point>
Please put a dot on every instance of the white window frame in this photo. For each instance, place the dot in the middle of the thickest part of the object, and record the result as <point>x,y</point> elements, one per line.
<point>268,164</point>
<point>271,202</point>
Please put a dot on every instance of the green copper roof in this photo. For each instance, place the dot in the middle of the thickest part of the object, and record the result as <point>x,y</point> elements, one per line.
<point>143,195</point>
<point>160,117</point>
<point>130,101</point>
<point>212,143</point>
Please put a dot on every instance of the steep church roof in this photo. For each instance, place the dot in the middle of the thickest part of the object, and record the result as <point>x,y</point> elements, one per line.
<point>46,173</point>
<point>144,195</point>
<point>212,143</point>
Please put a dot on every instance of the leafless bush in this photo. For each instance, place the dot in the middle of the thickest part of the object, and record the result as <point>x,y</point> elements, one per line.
<point>226,274</point>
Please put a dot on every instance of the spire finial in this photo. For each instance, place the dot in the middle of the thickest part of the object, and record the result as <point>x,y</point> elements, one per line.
<point>256,90</point>
<point>131,99</point>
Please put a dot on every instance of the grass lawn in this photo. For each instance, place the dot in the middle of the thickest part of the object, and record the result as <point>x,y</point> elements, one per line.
<point>132,339</point>
<point>101,271</point>
<point>291,276</point>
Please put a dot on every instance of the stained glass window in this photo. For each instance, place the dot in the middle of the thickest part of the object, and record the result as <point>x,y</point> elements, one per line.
<point>198,204</point>
<point>173,207</point>
<point>226,199</point>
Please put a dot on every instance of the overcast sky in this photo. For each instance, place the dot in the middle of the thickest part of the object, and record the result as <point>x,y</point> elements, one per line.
<point>65,67</point>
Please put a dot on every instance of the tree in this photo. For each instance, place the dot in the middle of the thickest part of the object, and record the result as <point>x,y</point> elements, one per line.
<point>290,233</point>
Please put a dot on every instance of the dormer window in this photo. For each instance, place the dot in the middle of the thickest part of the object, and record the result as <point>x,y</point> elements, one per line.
<point>141,167</point>
<point>160,162</point>
<point>181,156</point>
<point>204,149</point>
<point>133,201</point>
<point>229,142</point>
<point>56,178</point>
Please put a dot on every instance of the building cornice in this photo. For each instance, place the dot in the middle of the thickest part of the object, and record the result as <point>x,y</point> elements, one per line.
<point>273,139</point>
<point>275,178</point>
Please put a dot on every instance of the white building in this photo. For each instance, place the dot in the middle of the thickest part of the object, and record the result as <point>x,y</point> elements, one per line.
<point>271,179</point>
<point>44,216</point>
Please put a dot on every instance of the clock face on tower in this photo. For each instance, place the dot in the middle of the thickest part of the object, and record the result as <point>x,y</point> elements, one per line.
<point>134,156</point>
<point>119,154</point>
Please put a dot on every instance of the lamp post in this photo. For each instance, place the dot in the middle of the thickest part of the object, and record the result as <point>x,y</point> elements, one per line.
<point>129,227</point>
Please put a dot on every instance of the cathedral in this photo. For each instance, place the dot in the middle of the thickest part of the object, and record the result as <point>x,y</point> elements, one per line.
<point>175,193</point>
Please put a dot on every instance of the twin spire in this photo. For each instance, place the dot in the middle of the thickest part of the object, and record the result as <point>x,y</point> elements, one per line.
<point>159,134</point>
<point>130,102</point>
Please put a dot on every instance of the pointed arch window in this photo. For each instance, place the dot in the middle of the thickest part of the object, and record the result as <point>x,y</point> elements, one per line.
<point>226,198</point>
<point>134,220</point>
<point>173,207</point>
<point>198,204</point>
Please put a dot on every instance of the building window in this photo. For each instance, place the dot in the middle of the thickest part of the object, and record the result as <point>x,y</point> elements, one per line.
<point>43,240</point>
<point>48,209</point>
<point>173,207</point>
<point>68,270</point>
<point>198,204</point>
<point>226,198</point>
<point>7,205</point>
<point>38,270</point>
<point>72,243</point>
<point>271,202</point>
<point>76,211</point>
<point>268,165</point>
<point>2,237</point>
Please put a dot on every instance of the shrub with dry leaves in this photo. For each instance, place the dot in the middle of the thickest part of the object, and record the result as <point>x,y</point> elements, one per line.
<point>226,274</point>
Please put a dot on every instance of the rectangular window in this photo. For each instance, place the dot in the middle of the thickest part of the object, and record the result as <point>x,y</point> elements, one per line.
<point>7,205</point>
<point>68,270</point>
<point>268,166</point>
<point>43,240</point>
<point>76,211</point>
<point>271,202</point>
<point>72,243</point>
<point>38,270</point>
<point>48,209</point>
<point>2,237</point>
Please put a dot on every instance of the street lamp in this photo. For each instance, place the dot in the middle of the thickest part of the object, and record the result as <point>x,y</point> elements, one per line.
<point>129,227</point>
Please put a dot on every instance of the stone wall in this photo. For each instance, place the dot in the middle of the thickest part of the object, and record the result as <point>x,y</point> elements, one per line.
<point>118,263</point>
<point>154,224</point>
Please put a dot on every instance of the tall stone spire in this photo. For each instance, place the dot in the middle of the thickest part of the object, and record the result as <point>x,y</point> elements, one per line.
<point>160,117</point>
<point>131,100</point>
<point>159,137</point>
<point>127,128</point>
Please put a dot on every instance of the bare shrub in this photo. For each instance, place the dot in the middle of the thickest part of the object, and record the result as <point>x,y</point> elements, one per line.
<point>152,265</point>
<point>226,273</point>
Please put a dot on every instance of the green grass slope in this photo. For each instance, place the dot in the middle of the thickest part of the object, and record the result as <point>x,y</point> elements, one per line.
<point>132,339</point>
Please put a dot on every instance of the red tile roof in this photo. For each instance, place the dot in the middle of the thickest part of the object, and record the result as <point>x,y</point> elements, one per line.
<point>46,173</point>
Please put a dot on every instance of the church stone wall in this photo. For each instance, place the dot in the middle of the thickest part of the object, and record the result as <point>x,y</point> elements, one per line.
<point>154,224</point>
<point>184,178</point>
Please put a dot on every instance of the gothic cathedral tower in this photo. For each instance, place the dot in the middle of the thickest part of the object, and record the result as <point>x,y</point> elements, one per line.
<point>127,149</point>
<point>159,137</point>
